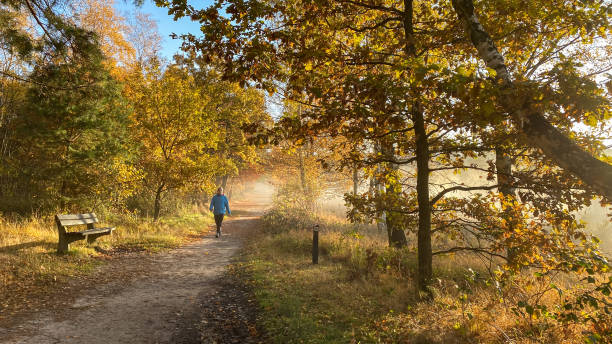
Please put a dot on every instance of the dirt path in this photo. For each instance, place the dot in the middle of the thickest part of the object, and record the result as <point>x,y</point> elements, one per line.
<point>161,305</point>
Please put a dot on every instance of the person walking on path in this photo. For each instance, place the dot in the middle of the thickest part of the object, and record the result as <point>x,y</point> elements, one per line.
<point>218,205</point>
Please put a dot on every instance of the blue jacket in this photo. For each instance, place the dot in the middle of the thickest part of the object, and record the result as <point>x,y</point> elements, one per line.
<point>219,203</point>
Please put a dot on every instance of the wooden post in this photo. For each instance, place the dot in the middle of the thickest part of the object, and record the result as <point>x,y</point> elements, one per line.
<point>315,244</point>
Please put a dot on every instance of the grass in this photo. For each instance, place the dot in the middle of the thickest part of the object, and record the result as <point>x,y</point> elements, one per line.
<point>341,300</point>
<point>168,232</point>
<point>364,292</point>
<point>29,262</point>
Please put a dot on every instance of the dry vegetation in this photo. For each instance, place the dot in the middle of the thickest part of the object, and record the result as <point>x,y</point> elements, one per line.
<point>364,292</point>
<point>29,262</point>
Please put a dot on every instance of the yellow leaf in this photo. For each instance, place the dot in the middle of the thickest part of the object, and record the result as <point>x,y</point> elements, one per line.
<point>492,72</point>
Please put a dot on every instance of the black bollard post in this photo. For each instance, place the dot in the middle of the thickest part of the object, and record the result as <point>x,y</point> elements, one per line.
<point>315,244</point>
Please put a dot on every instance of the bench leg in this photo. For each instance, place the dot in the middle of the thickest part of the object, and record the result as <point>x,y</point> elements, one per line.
<point>62,246</point>
<point>92,237</point>
<point>65,239</point>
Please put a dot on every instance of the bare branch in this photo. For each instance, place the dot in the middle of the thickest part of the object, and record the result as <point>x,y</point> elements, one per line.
<point>469,249</point>
<point>461,188</point>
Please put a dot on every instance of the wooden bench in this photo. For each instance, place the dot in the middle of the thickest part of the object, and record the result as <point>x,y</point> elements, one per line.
<point>91,233</point>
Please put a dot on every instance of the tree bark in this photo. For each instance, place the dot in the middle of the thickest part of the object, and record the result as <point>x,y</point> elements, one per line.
<point>503,166</point>
<point>538,131</point>
<point>424,255</point>
<point>425,269</point>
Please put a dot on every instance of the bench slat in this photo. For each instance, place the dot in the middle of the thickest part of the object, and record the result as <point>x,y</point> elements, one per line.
<point>76,216</point>
<point>97,230</point>
<point>77,219</point>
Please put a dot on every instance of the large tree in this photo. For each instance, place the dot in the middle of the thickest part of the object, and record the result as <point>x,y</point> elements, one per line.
<point>69,130</point>
<point>411,48</point>
<point>257,42</point>
<point>587,19</point>
<point>173,128</point>
<point>68,126</point>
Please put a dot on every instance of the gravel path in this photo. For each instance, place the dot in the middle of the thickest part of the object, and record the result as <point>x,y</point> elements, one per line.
<point>163,304</point>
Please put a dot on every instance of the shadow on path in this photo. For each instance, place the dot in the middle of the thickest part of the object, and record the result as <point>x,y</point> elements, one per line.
<point>14,248</point>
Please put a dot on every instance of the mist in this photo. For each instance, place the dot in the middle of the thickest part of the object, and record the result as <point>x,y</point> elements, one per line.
<point>596,218</point>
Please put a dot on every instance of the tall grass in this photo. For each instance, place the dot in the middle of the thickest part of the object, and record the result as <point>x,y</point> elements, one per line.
<point>364,292</point>
<point>28,258</point>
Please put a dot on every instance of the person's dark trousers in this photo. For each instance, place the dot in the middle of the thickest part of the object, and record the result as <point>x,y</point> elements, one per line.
<point>218,221</point>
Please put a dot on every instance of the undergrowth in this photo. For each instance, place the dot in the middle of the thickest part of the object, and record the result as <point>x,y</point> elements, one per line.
<point>364,292</point>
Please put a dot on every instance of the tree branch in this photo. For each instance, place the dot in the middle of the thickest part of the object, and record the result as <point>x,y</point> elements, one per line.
<point>471,249</point>
<point>461,188</point>
<point>538,131</point>
<point>371,6</point>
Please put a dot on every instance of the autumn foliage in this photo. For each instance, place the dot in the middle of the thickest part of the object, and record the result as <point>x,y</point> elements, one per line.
<point>93,117</point>
<point>466,128</point>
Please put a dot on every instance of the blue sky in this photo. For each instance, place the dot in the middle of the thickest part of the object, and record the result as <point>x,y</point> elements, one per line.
<point>165,22</point>
<point>167,26</point>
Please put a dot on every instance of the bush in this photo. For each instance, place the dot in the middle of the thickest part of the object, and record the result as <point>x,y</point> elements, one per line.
<point>284,219</point>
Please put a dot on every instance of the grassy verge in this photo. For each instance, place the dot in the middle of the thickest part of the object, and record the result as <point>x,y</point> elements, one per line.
<point>29,262</point>
<point>328,303</point>
<point>363,292</point>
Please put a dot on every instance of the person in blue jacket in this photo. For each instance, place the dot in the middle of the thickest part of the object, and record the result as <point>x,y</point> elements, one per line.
<point>218,205</point>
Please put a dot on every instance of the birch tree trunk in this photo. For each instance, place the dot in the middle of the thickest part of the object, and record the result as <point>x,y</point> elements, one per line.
<point>539,132</point>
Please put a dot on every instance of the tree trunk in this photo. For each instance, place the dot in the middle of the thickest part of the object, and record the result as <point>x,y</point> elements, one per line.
<point>157,204</point>
<point>424,256</point>
<point>378,188</point>
<point>302,170</point>
<point>539,133</point>
<point>303,182</point>
<point>355,180</point>
<point>395,231</point>
<point>224,181</point>
<point>424,231</point>
<point>503,168</point>
<point>381,224</point>
<point>62,192</point>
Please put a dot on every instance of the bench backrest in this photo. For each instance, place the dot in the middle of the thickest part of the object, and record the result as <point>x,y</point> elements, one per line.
<point>76,219</point>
